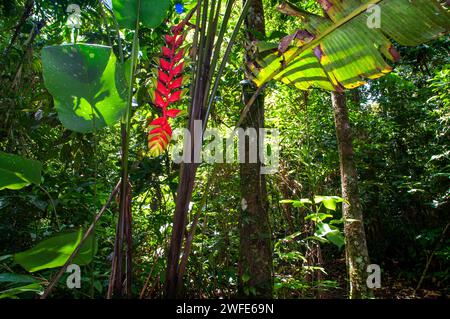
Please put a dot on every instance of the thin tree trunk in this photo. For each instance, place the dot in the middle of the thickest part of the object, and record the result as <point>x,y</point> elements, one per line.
<point>355,238</point>
<point>255,264</point>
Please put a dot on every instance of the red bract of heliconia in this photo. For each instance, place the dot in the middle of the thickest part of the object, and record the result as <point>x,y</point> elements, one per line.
<point>168,90</point>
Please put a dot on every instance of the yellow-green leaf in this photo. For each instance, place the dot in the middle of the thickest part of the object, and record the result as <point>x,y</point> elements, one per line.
<point>344,50</point>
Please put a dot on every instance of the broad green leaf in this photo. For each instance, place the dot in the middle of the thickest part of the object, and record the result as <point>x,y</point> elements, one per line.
<point>55,251</point>
<point>324,230</point>
<point>17,172</point>
<point>328,201</point>
<point>15,278</point>
<point>344,50</point>
<point>11,293</point>
<point>87,84</point>
<point>336,238</point>
<point>151,12</point>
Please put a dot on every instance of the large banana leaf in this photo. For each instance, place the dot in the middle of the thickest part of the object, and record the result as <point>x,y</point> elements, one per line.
<point>343,50</point>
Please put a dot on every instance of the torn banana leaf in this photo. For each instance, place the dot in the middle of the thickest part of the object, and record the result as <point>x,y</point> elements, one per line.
<point>349,46</point>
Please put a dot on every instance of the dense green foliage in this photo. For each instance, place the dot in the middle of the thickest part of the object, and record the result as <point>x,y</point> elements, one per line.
<point>401,137</point>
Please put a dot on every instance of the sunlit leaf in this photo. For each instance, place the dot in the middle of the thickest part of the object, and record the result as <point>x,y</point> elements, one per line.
<point>17,172</point>
<point>328,201</point>
<point>87,84</point>
<point>344,50</point>
<point>12,292</point>
<point>55,251</point>
<point>324,230</point>
<point>318,217</point>
<point>296,203</point>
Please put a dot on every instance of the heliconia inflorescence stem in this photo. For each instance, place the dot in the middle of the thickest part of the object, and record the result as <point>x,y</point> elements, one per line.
<point>168,90</point>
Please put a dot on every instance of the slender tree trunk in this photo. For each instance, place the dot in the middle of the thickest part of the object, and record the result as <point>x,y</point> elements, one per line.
<point>255,265</point>
<point>355,238</point>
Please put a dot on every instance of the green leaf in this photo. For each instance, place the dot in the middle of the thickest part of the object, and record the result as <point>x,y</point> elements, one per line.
<point>296,203</point>
<point>87,84</point>
<point>336,221</point>
<point>318,217</point>
<point>324,230</point>
<point>15,278</point>
<point>11,293</point>
<point>4,257</point>
<point>336,238</point>
<point>98,286</point>
<point>17,172</point>
<point>151,12</point>
<point>328,201</point>
<point>55,251</point>
<point>344,50</point>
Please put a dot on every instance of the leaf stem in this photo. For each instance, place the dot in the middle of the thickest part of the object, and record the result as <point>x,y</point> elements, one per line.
<point>53,206</point>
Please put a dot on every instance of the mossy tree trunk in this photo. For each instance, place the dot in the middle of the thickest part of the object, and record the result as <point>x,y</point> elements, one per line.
<point>255,264</point>
<point>357,256</point>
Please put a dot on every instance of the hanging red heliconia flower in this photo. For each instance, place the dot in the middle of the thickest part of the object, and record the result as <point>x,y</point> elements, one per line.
<point>168,90</point>
<point>159,136</point>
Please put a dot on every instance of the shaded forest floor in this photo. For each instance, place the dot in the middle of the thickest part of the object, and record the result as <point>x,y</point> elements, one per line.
<point>393,285</point>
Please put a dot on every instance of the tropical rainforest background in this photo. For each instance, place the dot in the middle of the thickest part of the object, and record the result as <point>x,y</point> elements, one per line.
<point>292,239</point>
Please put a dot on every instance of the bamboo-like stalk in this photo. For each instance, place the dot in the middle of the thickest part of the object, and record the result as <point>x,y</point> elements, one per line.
<point>188,170</point>
<point>225,60</point>
<point>194,55</point>
<point>123,230</point>
<point>210,37</point>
